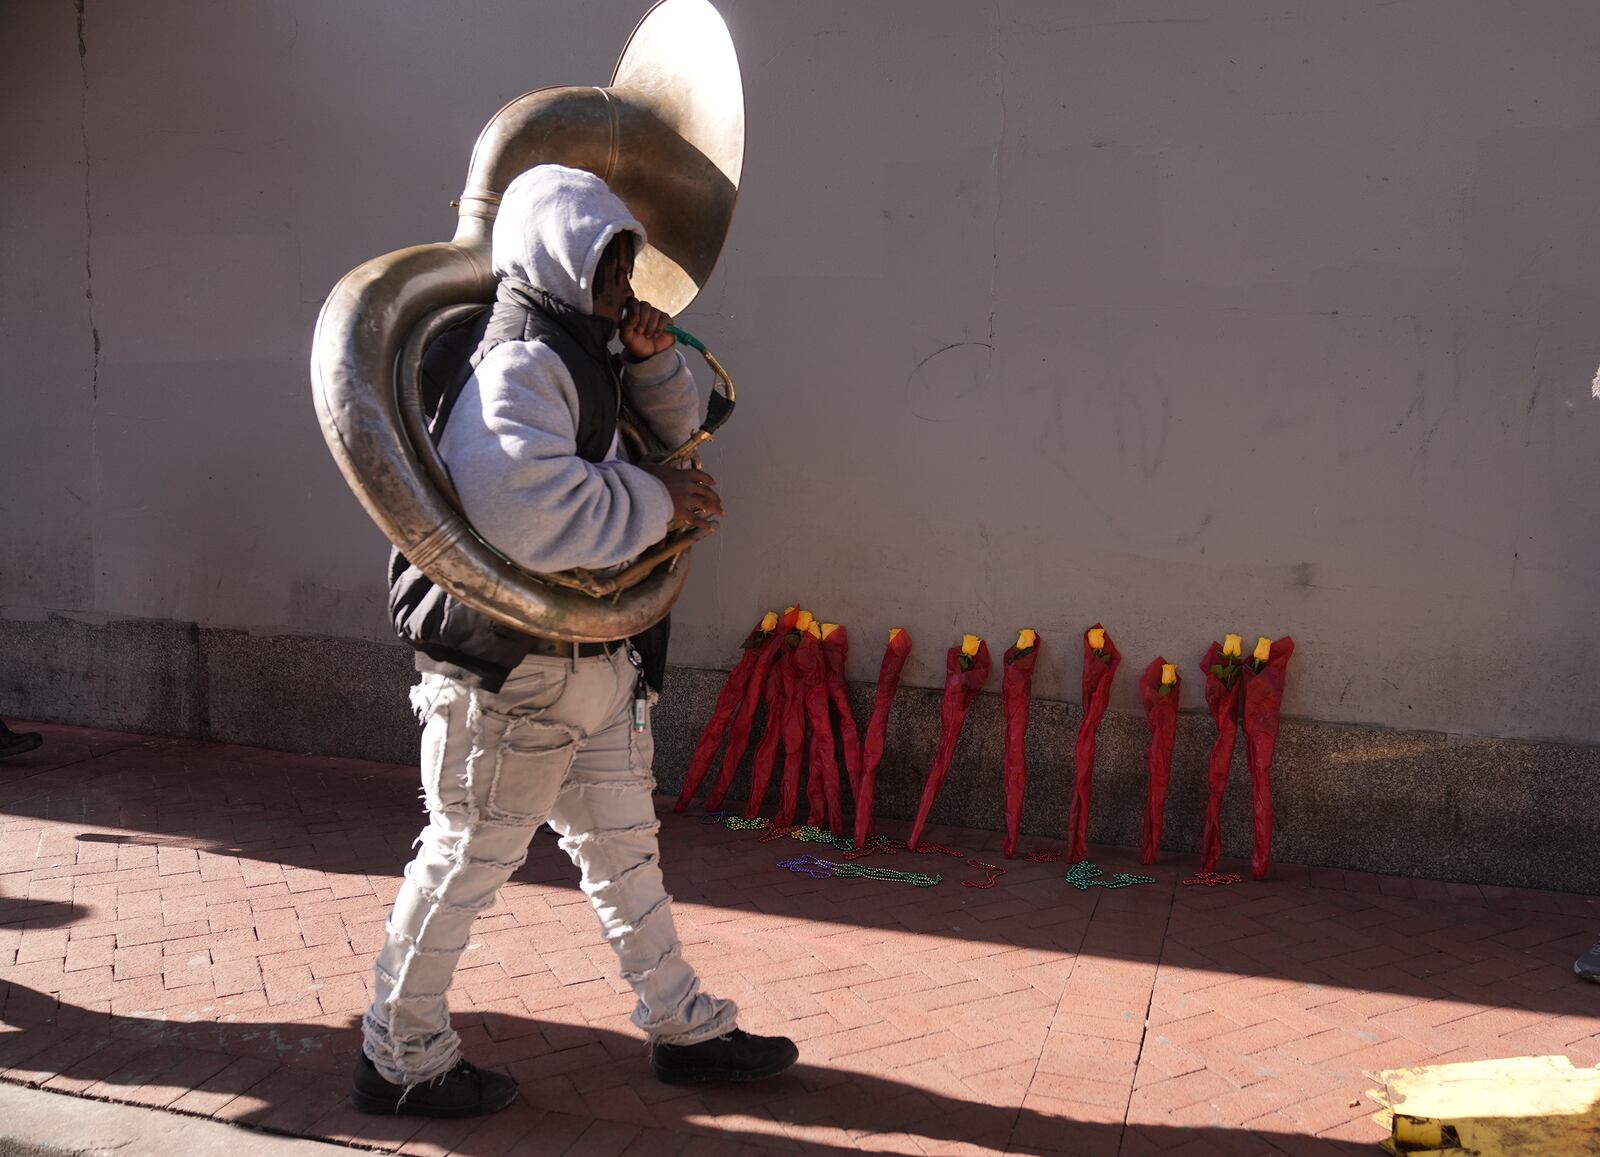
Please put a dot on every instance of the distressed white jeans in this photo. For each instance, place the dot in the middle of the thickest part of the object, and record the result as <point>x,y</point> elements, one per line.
<point>555,744</point>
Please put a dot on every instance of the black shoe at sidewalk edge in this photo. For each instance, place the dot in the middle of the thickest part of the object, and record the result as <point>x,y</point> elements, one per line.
<point>733,1056</point>
<point>18,742</point>
<point>462,1091</point>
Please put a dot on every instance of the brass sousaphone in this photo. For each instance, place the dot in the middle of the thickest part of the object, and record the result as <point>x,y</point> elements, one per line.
<point>667,135</point>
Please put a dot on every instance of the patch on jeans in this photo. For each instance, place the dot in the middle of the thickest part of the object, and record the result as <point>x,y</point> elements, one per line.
<point>672,952</point>
<point>433,710</point>
<point>575,842</point>
<point>431,896</point>
<point>635,927</point>
<point>531,763</point>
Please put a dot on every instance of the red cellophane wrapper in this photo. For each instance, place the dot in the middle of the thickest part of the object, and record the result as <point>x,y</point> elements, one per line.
<point>775,694</point>
<point>794,735</point>
<point>1223,703</point>
<point>739,732</point>
<point>1016,695</point>
<point>1161,712</point>
<point>728,699</point>
<point>960,686</point>
<point>894,660</point>
<point>822,788</point>
<point>835,649</point>
<point>1098,672</point>
<point>1263,701</point>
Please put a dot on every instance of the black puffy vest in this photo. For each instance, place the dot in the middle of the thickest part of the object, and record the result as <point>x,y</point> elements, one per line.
<point>450,638</point>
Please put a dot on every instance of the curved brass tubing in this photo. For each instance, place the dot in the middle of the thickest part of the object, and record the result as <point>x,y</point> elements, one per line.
<point>668,137</point>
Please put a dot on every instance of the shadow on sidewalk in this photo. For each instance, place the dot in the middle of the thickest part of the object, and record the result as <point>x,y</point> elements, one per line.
<point>19,913</point>
<point>350,817</point>
<point>293,1078</point>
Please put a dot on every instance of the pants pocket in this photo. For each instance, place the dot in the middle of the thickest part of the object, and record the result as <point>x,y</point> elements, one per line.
<point>535,685</point>
<point>531,762</point>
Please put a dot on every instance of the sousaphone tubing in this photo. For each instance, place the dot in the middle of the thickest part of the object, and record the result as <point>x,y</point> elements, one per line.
<point>667,135</point>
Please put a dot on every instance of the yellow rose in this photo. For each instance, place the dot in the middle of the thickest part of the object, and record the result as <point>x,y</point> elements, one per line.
<point>828,629</point>
<point>1027,639</point>
<point>895,633</point>
<point>970,645</point>
<point>769,622</point>
<point>1169,674</point>
<point>803,621</point>
<point>1233,645</point>
<point>1097,639</point>
<point>1263,649</point>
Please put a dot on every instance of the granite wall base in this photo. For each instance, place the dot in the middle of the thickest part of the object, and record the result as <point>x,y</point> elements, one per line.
<point>1480,810</point>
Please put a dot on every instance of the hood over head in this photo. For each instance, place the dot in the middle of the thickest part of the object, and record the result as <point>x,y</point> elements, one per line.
<point>553,225</point>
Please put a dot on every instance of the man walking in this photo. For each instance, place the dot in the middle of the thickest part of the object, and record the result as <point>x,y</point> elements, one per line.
<point>517,730</point>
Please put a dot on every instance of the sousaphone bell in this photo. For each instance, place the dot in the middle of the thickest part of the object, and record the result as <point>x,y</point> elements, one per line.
<point>667,135</point>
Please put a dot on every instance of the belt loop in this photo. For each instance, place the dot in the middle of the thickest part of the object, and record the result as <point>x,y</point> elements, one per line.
<point>575,646</point>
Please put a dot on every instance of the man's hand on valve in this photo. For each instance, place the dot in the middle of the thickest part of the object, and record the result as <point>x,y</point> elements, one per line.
<point>695,501</point>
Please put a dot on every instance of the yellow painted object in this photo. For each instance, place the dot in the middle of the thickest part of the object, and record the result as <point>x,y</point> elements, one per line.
<point>1519,1107</point>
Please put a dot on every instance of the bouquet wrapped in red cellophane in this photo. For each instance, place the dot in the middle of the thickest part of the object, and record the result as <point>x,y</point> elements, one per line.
<point>728,701</point>
<point>1016,695</point>
<point>1159,688</point>
<point>1264,678</point>
<point>836,649</point>
<point>1224,667</point>
<point>1100,662</point>
<point>966,670</point>
<point>894,661</point>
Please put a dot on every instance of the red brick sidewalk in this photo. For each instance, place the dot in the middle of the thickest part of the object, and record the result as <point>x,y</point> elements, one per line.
<point>191,926</point>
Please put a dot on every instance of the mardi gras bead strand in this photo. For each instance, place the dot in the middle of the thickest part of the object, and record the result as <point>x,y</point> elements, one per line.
<point>877,844</point>
<point>1213,880</point>
<point>808,865</point>
<point>915,879</point>
<point>994,870</point>
<point>1084,875</point>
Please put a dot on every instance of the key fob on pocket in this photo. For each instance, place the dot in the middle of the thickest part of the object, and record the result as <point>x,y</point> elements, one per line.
<point>641,691</point>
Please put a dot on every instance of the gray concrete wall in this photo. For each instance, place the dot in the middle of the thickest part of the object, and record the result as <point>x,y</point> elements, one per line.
<point>1261,315</point>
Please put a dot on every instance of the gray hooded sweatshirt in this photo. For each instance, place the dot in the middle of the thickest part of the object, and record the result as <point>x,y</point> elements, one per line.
<point>510,443</point>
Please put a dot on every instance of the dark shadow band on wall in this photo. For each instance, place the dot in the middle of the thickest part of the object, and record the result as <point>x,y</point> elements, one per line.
<point>1478,810</point>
